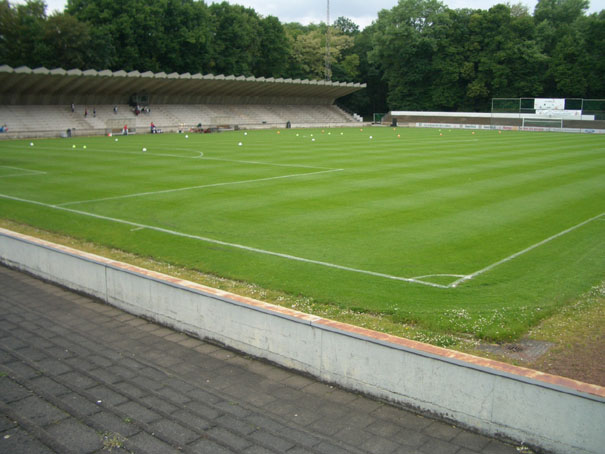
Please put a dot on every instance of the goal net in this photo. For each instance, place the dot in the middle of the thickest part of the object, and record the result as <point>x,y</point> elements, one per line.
<point>548,113</point>
<point>541,122</point>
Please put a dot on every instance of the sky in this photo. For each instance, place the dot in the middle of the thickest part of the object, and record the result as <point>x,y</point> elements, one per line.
<point>362,12</point>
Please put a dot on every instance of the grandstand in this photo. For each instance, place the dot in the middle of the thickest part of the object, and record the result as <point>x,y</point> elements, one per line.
<point>38,102</point>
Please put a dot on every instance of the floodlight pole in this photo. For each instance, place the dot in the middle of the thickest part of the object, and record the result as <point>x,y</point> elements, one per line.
<point>328,67</point>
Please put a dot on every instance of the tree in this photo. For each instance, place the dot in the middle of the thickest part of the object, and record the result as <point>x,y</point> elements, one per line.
<point>22,33</point>
<point>67,41</point>
<point>272,59</point>
<point>346,26</point>
<point>403,49</point>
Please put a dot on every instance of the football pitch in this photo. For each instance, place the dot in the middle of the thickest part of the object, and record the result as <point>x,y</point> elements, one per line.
<point>482,232</point>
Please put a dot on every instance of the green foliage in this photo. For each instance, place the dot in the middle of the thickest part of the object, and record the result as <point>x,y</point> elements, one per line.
<point>419,55</point>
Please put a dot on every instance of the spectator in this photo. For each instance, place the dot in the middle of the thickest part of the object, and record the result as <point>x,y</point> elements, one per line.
<point>94,112</point>
<point>73,107</point>
<point>115,109</point>
<point>125,130</point>
<point>152,128</point>
<point>85,113</point>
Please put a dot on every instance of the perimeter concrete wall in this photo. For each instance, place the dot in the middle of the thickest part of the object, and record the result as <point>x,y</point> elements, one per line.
<point>540,410</point>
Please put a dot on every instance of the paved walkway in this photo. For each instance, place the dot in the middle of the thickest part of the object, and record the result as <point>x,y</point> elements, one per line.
<point>79,376</point>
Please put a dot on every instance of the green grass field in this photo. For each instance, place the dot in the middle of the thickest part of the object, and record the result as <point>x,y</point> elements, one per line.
<point>456,232</point>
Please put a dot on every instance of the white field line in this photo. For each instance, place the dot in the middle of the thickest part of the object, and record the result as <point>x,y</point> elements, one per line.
<point>199,155</point>
<point>28,172</point>
<point>517,254</point>
<point>224,243</point>
<point>302,166</point>
<point>166,191</point>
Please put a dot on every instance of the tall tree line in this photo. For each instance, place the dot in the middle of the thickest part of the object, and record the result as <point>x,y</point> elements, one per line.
<point>419,55</point>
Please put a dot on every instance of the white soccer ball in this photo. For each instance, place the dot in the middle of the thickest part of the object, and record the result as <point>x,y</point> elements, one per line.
<point>312,140</point>
<point>116,140</point>
<point>245,133</point>
<point>31,144</point>
<point>84,147</point>
<point>73,146</point>
<point>144,149</point>
<point>186,136</point>
<point>371,137</point>
<point>239,144</point>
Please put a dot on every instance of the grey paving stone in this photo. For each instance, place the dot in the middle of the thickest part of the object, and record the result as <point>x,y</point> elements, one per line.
<point>80,404</point>
<point>192,420</point>
<point>326,426</point>
<point>434,446</point>
<point>107,396</point>
<point>32,354</point>
<point>383,428</point>
<point>18,441</point>
<point>411,438</point>
<point>6,423</point>
<point>136,411</point>
<point>53,366</point>
<point>173,430</point>
<point>442,431</point>
<point>49,386</point>
<point>80,363</point>
<point>11,391</point>
<point>105,374</point>
<point>143,442</point>
<point>147,383</point>
<point>23,370</point>
<point>78,380</point>
<point>58,353</point>
<point>191,394</point>
<point>298,436</point>
<point>130,389</point>
<point>352,436</point>
<point>331,448</point>
<point>471,440</point>
<point>38,411</point>
<point>204,396</point>
<point>204,410</point>
<point>205,446</point>
<point>497,447</point>
<point>172,395</point>
<point>379,445</point>
<point>227,437</point>
<point>123,373</point>
<point>232,407</point>
<point>240,426</point>
<point>5,357</point>
<point>76,436</point>
<point>261,450</point>
<point>267,439</point>
<point>159,404</point>
<point>101,361</point>
<point>112,423</point>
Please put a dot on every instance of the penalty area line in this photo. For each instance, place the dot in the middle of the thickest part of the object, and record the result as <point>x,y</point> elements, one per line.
<point>524,251</point>
<point>137,225</point>
<point>189,188</point>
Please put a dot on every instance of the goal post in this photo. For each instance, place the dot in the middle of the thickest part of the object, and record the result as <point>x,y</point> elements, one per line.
<point>547,113</point>
<point>541,122</point>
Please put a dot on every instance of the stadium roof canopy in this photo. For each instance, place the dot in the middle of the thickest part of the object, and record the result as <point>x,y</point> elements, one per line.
<point>24,85</point>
